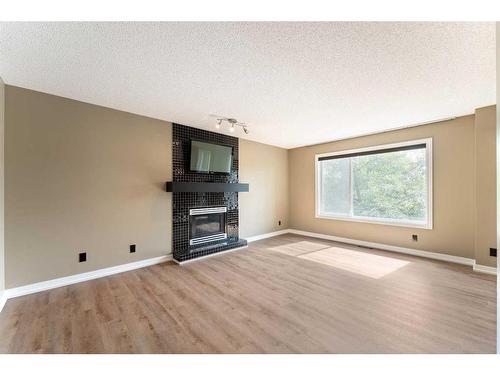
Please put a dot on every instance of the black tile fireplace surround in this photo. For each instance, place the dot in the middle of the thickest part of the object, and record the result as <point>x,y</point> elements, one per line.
<point>191,190</point>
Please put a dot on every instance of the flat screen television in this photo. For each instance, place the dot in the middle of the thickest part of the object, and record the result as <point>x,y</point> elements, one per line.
<point>210,158</point>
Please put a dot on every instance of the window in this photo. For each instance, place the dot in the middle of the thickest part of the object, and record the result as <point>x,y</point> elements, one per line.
<point>389,184</point>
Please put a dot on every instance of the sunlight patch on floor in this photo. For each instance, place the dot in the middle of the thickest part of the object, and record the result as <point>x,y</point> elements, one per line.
<point>298,248</point>
<point>370,265</point>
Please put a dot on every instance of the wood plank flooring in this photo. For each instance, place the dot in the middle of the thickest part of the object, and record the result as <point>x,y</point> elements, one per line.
<point>287,294</point>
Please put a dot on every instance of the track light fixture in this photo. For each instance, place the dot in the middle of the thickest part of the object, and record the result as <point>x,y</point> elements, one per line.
<point>233,123</point>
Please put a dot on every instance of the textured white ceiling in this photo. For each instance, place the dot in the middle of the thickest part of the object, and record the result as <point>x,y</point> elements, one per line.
<point>293,83</point>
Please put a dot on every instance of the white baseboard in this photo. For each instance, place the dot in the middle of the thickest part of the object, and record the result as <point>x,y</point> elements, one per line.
<point>267,235</point>
<point>485,269</point>
<point>73,279</point>
<point>397,249</point>
<point>68,280</point>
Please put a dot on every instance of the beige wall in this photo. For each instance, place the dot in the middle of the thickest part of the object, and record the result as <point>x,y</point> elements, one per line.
<point>2,128</point>
<point>265,168</point>
<point>81,177</point>
<point>78,178</point>
<point>485,164</point>
<point>453,191</point>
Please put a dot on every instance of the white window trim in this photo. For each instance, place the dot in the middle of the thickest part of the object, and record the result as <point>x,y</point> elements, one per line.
<point>393,222</point>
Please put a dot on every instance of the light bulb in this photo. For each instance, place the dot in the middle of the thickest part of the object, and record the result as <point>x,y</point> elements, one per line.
<point>217,126</point>
<point>231,129</point>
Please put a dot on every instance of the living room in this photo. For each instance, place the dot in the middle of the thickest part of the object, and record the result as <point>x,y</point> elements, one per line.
<point>248,187</point>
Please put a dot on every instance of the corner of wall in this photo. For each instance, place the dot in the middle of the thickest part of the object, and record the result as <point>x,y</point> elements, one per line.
<point>266,169</point>
<point>484,185</point>
<point>498,181</point>
<point>2,128</point>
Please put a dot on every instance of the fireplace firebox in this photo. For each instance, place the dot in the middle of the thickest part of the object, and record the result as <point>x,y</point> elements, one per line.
<point>207,224</point>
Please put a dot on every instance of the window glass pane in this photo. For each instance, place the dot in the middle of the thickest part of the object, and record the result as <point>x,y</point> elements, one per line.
<point>335,186</point>
<point>390,185</point>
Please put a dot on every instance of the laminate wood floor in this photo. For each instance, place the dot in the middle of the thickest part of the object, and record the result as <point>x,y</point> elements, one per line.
<point>287,294</point>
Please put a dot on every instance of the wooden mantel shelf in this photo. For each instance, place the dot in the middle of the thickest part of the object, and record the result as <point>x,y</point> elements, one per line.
<point>205,187</point>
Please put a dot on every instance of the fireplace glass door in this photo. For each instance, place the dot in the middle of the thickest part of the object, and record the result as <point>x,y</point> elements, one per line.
<point>207,227</point>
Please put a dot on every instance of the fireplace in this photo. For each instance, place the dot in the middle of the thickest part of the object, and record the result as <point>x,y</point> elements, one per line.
<point>197,233</point>
<point>207,224</point>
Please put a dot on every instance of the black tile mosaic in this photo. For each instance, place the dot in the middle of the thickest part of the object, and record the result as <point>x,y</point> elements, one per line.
<point>182,201</point>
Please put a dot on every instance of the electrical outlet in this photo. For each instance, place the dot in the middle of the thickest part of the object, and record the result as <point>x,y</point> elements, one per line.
<point>279,222</point>
<point>414,237</point>
<point>493,252</point>
<point>132,248</point>
<point>82,257</point>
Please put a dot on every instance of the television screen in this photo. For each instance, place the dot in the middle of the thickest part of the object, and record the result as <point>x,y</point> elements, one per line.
<point>210,158</point>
